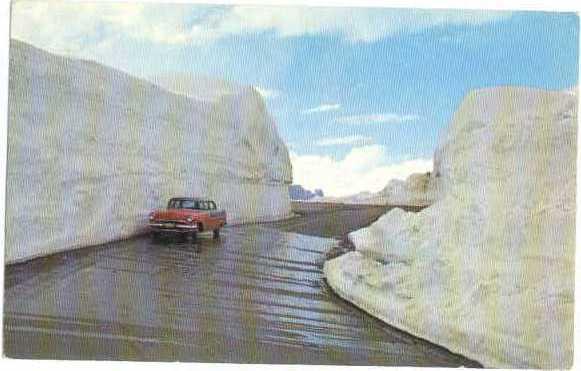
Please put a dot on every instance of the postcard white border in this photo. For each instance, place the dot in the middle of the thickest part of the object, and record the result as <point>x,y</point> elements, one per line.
<point>8,364</point>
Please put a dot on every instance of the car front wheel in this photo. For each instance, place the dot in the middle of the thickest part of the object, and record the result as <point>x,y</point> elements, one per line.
<point>154,235</point>
<point>193,236</point>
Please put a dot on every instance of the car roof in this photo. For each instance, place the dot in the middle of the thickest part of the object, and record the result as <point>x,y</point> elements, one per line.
<point>191,198</point>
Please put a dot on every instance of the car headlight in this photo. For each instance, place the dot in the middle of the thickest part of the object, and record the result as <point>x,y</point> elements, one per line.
<point>189,219</point>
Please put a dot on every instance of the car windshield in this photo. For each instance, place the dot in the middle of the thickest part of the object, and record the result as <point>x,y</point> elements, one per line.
<point>184,204</point>
<point>180,203</point>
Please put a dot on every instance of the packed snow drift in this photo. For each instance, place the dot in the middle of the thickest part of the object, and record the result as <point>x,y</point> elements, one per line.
<point>488,270</point>
<point>91,150</point>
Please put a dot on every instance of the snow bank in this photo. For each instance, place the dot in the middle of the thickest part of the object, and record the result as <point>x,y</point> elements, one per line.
<point>416,190</point>
<point>91,150</point>
<point>488,270</point>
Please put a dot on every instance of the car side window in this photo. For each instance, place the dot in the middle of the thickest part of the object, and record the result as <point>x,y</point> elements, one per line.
<point>212,205</point>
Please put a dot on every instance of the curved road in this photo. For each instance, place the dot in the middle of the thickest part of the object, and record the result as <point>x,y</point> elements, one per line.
<point>256,295</point>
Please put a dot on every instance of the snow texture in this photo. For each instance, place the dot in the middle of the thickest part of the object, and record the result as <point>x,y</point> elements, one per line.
<point>91,150</point>
<point>488,270</point>
<point>416,190</point>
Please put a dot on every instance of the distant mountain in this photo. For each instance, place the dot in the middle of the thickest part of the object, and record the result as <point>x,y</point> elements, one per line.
<point>297,192</point>
<point>416,190</point>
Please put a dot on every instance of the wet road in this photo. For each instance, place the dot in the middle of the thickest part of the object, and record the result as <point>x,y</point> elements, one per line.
<point>256,295</point>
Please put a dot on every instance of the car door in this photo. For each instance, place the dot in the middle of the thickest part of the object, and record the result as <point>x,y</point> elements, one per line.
<point>214,214</point>
<point>209,220</point>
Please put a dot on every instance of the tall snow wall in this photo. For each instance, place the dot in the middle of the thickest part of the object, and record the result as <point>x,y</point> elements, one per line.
<point>91,150</point>
<point>488,270</point>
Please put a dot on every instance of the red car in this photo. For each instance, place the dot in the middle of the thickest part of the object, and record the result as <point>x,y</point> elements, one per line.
<point>188,216</point>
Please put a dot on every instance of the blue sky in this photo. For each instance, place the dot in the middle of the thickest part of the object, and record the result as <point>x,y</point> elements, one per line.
<point>359,95</point>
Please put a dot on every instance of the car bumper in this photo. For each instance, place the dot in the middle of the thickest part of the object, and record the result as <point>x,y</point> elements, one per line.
<point>173,227</point>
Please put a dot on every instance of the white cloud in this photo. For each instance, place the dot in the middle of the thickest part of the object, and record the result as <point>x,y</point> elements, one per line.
<point>355,25</point>
<point>364,168</point>
<point>352,140</point>
<point>267,93</point>
<point>322,108</point>
<point>72,27</point>
<point>383,118</point>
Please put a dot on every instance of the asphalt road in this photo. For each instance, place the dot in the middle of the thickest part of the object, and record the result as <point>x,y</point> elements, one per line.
<point>256,295</point>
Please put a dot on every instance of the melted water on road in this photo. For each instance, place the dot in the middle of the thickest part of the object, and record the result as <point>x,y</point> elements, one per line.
<point>256,295</point>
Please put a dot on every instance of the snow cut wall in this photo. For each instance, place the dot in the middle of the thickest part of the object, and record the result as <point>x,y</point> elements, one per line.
<point>487,271</point>
<point>91,150</point>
